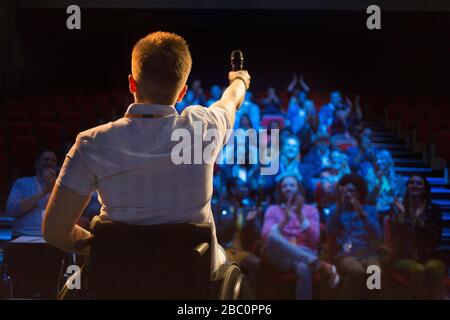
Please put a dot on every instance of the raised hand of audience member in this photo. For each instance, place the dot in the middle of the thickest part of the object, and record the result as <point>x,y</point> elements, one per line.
<point>49,176</point>
<point>358,208</point>
<point>400,208</point>
<point>418,215</point>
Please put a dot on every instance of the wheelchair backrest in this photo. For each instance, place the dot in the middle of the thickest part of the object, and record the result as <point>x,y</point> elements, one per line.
<point>149,262</point>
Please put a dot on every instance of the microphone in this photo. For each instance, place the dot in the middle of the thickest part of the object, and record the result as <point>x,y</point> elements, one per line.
<point>237,60</point>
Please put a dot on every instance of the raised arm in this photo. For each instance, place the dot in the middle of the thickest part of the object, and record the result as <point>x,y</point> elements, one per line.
<point>348,110</point>
<point>291,86</point>
<point>358,111</point>
<point>303,84</point>
<point>234,94</point>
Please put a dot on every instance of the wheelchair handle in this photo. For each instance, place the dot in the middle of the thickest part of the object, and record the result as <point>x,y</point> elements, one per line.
<point>200,250</point>
<point>83,243</point>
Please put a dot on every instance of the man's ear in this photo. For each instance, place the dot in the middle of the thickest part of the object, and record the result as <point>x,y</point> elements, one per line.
<point>182,93</point>
<point>131,84</point>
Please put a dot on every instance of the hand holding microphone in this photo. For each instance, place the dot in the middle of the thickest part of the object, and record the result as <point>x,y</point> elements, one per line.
<point>234,95</point>
<point>237,65</point>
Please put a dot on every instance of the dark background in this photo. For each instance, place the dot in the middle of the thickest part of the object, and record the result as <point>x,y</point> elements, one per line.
<point>334,49</point>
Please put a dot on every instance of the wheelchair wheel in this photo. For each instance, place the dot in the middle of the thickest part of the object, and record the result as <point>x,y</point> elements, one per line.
<point>234,285</point>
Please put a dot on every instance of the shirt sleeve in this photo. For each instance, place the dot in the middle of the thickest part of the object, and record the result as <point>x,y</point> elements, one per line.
<point>372,223</point>
<point>220,120</point>
<point>313,230</point>
<point>75,173</point>
<point>271,218</point>
<point>215,118</point>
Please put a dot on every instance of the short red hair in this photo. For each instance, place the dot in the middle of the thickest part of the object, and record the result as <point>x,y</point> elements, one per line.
<point>160,64</point>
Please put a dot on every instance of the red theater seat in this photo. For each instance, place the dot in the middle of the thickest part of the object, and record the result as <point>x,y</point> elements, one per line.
<point>3,161</point>
<point>442,140</point>
<point>2,143</point>
<point>438,114</point>
<point>14,105</point>
<point>59,107</point>
<point>3,171</point>
<point>72,123</point>
<point>266,120</point>
<point>15,116</point>
<point>409,118</point>
<point>24,150</point>
<point>394,111</point>
<point>50,134</point>
<point>21,128</point>
<point>43,116</point>
<point>427,127</point>
<point>105,111</point>
<point>394,275</point>
<point>88,115</point>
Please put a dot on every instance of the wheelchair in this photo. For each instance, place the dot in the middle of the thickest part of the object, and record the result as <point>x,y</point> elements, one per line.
<point>161,262</point>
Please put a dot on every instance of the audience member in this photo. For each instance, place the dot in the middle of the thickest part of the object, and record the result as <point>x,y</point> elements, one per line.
<point>238,228</point>
<point>291,231</point>
<point>327,112</point>
<point>363,153</point>
<point>384,183</point>
<point>271,103</point>
<point>319,155</point>
<point>353,226</point>
<point>416,233</point>
<point>250,109</point>
<point>325,193</point>
<point>215,93</point>
<point>29,196</point>
<point>290,164</point>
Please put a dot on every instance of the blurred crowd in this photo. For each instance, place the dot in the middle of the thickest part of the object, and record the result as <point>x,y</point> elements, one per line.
<point>326,214</point>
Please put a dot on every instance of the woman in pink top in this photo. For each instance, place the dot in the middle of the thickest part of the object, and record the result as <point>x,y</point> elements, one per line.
<point>291,232</point>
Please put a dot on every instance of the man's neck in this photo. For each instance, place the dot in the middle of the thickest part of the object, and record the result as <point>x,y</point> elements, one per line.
<point>148,101</point>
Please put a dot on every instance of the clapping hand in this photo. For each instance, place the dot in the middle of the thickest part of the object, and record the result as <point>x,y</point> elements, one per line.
<point>358,208</point>
<point>294,206</point>
<point>252,214</point>
<point>349,103</point>
<point>49,177</point>
<point>301,78</point>
<point>419,213</point>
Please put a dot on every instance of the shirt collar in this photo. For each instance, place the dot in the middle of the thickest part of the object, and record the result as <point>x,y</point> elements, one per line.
<point>143,108</point>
